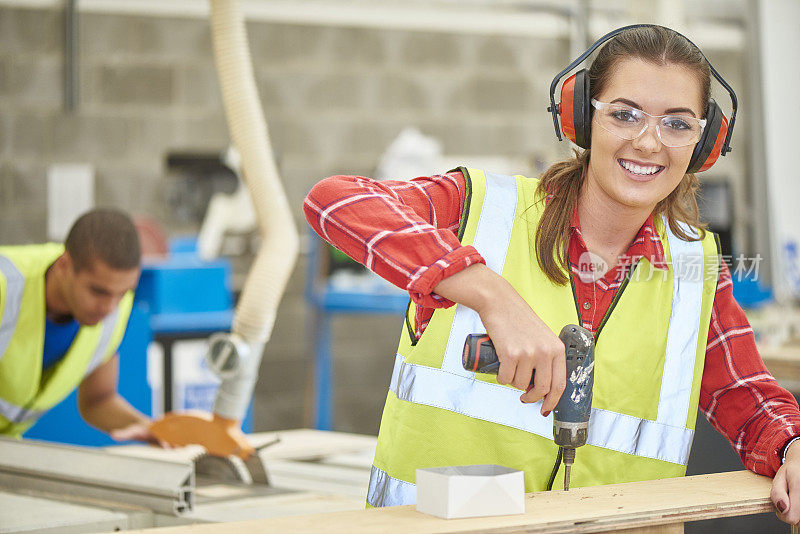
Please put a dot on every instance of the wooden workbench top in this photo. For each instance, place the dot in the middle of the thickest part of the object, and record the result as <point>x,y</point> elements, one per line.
<point>595,509</point>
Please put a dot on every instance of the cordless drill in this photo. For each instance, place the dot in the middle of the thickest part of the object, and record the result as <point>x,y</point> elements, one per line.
<point>571,414</point>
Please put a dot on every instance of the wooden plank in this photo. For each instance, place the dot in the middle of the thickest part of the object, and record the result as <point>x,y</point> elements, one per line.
<point>596,509</point>
<point>660,529</point>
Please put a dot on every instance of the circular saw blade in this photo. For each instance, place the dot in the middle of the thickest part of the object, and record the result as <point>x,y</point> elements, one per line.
<point>221,468</point>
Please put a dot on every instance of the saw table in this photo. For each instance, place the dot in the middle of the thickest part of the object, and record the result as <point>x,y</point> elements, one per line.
<point>55,488</point>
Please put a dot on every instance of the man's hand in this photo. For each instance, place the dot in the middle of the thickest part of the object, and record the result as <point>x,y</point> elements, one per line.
<point>139,431</point>
<point>785,492</point>
<point>102,407</point>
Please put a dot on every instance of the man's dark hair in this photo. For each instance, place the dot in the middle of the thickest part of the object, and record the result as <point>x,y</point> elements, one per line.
<point>105,234</point>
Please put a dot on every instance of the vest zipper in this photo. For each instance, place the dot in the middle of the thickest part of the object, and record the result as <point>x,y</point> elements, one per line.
<point>614,302</point>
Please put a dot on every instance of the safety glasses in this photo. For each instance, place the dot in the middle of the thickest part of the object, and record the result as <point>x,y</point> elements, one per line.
<point>628,123</point>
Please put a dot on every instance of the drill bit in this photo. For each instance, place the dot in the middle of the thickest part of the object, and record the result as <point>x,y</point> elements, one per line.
<point>569,459</point>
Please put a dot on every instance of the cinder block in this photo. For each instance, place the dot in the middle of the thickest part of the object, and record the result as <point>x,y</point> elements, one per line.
<point>287,44</point>
<point>298,178</point>
<point>163,38</point>
<point>28,183</point>
<point>440,91</point>
<point>291,329</point>
<point>136,84</point>
<point>274,94</point>
<point>197,85</point>
<point>330,136</point>
<point>104,36</point>
<point>333,91</point>
<point>293,134</point>
<point>475,135</point>
<point>89,137</point>
<point>511,95</point>
<point>372,135</point>
<point>483,94</point>
<point>287,374</point>
<point>301,171</point>
<point>31,30</point>
<point>280,410</point>
<point>433,49</point>
<point>30,135</point>
<point>207,131</point>
<point>5,62</point>
<point>285,91</point>
<point>359,409</point>
<point>356,367</point>
<point>358,46</point>
<point>5,134</point>
<point>171,38</point>
<point>152,133</point>
<point>395,91</point>
<point>23,224</point>
<point>497,52</point>
<point>6,184</point>
<point>130,188</point>
<point>35,80</point>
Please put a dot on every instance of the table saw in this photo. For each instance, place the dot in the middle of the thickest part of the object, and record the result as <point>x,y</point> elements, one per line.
<point>50,487</point>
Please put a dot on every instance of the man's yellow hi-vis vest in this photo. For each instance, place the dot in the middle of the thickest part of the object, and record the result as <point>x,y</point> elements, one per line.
<point>26,393</point>
<point>649,356</point>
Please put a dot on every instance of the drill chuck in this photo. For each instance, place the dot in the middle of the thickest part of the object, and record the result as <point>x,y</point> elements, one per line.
<point>570,435</point>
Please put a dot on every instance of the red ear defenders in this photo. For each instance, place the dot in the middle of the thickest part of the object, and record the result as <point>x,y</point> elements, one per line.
<point>575,111</point>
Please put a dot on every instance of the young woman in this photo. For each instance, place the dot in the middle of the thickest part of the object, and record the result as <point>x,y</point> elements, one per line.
<point>511,253</point>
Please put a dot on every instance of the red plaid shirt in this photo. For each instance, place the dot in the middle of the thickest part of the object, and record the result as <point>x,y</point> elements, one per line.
<point>405,231</point>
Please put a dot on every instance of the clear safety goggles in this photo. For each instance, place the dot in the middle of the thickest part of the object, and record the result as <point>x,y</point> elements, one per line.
<point>628,123</point>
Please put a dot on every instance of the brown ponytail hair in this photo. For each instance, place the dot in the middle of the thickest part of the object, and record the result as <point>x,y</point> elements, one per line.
<point>562,182</point>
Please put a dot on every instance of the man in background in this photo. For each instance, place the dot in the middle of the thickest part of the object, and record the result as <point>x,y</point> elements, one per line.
<point>63,313</point>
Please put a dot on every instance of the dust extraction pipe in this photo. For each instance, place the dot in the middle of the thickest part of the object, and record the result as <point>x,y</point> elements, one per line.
<point>269,274</point>
<point>236,357</point>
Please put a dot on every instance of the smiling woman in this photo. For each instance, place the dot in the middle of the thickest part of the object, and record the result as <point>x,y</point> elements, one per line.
<point>629,176</point>
<point>509,251</point>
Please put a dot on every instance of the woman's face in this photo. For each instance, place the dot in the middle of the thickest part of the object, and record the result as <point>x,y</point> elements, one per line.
<point>657,90</point>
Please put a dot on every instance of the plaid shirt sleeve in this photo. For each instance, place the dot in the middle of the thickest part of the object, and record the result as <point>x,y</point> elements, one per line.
<point>738,395</point>
<point>405,231</point>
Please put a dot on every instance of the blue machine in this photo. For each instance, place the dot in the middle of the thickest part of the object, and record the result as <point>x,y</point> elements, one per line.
<point>178,300</point>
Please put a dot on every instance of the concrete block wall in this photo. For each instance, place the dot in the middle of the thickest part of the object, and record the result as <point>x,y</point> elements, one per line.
<point>333,97</point>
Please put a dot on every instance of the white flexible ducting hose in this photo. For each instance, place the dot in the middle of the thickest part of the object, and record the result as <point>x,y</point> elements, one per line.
<point>269,274</point>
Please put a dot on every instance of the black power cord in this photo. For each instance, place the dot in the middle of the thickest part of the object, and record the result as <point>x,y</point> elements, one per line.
<point>555,468</point>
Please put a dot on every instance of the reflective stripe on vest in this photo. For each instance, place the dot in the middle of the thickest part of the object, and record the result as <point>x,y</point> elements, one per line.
<point>15,284</point>
<point>19,414</point>
<point>687,303</point>
<point>102,344</point>
<point>385,490</point>
<point>488,401</point>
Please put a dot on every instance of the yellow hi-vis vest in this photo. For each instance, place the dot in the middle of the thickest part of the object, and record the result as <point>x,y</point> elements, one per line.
<point>649,355</point>
<point>26,393</point>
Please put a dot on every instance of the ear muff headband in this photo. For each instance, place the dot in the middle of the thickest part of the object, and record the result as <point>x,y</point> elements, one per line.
<point>577,121</point>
